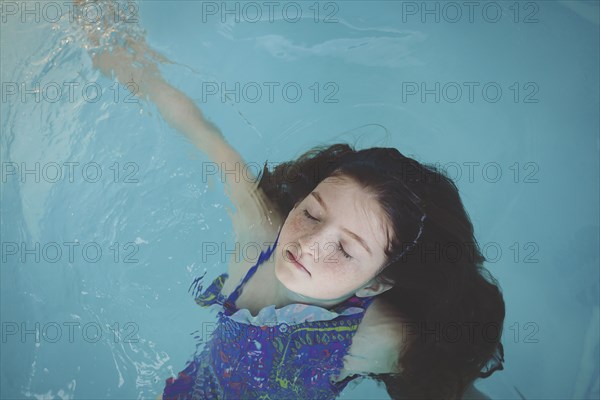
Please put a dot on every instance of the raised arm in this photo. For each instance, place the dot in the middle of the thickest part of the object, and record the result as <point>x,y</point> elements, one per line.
<point>134,65</point>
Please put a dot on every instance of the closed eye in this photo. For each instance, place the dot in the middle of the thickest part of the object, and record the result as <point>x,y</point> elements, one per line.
<point>340,248</point>
<point>306,213</point>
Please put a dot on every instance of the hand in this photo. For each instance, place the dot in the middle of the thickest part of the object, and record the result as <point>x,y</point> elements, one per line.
<point>118,47</point>
<point>94,30</point>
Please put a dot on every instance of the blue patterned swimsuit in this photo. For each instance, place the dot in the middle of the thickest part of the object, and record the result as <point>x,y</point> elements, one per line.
<point>288,353</point>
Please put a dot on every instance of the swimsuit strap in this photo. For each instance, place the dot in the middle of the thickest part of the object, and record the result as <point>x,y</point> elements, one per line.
<point>264,255</point>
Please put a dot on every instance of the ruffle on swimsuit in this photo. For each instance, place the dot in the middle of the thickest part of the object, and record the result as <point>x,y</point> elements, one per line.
<point>291,314</point>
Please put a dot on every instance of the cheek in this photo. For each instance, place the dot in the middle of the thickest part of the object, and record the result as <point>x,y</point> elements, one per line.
<point>339,274</point>
<point>293,225</point>
<point>289,231</point>
<point>334,282</point>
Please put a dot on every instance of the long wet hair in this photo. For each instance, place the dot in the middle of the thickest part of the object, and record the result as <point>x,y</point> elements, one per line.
<point>451,308</point>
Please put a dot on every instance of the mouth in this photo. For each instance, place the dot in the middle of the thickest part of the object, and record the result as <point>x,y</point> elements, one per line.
<point>296,263</point>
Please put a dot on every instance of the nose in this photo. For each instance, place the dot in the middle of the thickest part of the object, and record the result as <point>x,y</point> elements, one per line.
<point>312,245</point>
<point>306,248</point>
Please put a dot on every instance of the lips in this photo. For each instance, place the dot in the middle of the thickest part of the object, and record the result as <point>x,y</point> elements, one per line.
<point>296,263</point>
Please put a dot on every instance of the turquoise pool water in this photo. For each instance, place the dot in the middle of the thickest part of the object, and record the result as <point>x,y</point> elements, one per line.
<point>108,214</point>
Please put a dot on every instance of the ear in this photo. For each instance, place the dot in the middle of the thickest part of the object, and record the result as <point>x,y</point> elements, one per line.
<point>374,287</point>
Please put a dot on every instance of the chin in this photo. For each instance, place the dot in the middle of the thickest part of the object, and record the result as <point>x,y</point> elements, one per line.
<point>284,276</point>
<point>288,279</point>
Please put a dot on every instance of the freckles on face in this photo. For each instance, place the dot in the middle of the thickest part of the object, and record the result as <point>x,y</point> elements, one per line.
<point>329,233</point>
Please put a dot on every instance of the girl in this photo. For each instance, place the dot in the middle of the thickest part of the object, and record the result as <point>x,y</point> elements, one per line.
<point>373,268</point>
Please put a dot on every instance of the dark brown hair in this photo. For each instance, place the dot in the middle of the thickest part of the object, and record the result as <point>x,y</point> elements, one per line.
<point>451,306</point>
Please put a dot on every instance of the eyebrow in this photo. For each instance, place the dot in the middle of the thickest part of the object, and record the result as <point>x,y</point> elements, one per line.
<point>317,196</point>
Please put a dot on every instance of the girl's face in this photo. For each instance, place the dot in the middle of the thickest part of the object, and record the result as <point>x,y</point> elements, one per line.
<point>338,235</point>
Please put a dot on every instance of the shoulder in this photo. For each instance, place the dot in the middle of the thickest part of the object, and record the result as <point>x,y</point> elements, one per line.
<point>378,341</point>
<point>385,323</point>
<point>256,217</point>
